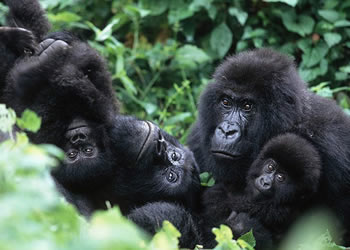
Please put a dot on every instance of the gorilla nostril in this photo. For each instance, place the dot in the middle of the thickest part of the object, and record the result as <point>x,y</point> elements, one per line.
<point>82,137</point>
<point>78,137</point>
<point>74,139</point>
<point>231,132</point>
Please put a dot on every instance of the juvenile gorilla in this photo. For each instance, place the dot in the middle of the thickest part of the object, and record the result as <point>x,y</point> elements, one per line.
<point>256,95</point>
<point>281,183</point>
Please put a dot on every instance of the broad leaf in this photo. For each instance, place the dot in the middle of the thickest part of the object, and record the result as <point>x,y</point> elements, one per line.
<point>221,39</point>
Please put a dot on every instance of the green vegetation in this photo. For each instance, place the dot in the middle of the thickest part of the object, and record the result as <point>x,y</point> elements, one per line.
<point>161,54</point>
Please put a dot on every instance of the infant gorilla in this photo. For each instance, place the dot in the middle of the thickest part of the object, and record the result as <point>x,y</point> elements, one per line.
<point>281,183</point>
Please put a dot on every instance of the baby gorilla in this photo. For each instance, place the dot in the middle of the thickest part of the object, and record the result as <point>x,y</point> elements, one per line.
<point>281,183</point>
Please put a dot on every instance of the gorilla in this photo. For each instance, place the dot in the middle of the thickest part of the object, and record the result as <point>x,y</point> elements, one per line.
<point>256,95</point>
<point>109,157</point>
<point>281,184</point>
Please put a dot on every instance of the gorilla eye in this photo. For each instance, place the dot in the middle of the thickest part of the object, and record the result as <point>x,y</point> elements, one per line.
<point>280,177</point>
<point>247,106</point>
<point>72,154</point>
<point>171,176</point>
<point>226,102</point>
<point>27,51</point>
<point>270,167</point>
<point>88,150</point>
<point>175,156</point>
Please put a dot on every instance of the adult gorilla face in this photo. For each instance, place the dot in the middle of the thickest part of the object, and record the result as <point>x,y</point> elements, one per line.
<point>254,95</point>
<point>128,163</point>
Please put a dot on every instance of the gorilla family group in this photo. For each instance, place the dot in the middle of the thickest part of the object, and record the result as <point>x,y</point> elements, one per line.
<point>274,148</point>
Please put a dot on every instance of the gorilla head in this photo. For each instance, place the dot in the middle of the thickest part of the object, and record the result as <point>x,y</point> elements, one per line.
<point>128,163</point>
<point>254,95</point>
<point>286,171</point>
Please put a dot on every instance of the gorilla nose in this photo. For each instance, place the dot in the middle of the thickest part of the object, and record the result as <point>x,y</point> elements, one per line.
<point>265,183</point>
<point>80,137</point>
<point>228,131</point>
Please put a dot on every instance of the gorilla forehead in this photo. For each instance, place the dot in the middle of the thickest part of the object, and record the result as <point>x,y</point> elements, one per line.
<point>258,71</point>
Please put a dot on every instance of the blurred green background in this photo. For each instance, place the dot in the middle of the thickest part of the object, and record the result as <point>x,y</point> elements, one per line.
<point>162,53</point>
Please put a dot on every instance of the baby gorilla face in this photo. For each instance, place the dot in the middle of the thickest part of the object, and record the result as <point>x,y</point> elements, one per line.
<point>271,179</point>
<point>80,142</point>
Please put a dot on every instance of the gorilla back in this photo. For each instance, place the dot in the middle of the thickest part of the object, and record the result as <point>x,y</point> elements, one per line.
<point>256,95</point>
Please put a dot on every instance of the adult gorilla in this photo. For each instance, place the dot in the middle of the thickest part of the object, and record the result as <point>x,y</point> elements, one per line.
<point>256,95</point>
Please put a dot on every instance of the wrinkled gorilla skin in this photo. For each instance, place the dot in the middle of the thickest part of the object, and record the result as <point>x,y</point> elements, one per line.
<point>151,216</point>
<point>258,94</point>
<point>281,183</point>
<point>26,24</point>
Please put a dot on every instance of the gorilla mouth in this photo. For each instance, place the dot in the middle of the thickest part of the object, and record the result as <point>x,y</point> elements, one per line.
<point>224,154</point>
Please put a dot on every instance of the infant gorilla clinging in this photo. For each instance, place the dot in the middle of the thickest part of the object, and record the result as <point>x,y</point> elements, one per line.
<point>281,183</point>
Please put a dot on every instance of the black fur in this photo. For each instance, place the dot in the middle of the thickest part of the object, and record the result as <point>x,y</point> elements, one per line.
<point>151,216</point>
<point>27,24</point>
<point>269,210</point>
<point>281,103</point>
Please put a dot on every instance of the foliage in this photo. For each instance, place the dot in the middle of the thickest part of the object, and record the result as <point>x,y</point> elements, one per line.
<point>207,179</point>
<point>163,53</point>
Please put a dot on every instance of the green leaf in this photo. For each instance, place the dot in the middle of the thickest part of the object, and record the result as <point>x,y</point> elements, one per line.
<point>249,238</point>
<point>221,39</point>
<point>179,10</point>
<point>292,3</point>
<point>107,31</point>
<point>345,69</point>
<point>342,23</point>
<point>29,121</point>
<point>53,150</point>
<point>127,82</point>
<point>301,24</point>
<point>329,15</point>
<point>7,119</point>
<point>207,179</point>
<point>314,55</point>
<point>223,234</point>
<point>332,39</point>
<point>64,17</point>
<point>178,118</point>
<point>190,56</point>
<point>166,238</point>
<point>239,14</point>
<point>156,7</point>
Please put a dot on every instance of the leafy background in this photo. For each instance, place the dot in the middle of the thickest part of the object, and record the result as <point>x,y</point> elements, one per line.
<point>161,55</point>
